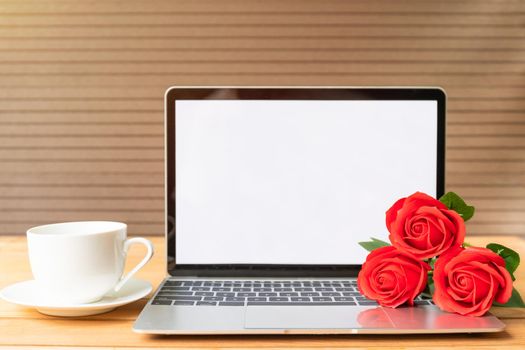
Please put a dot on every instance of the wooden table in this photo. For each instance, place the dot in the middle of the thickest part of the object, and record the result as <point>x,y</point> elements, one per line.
<point>26,328</point>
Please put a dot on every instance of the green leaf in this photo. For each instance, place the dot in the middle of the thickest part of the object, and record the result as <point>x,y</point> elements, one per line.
<point>512,258</point>
<point>379,241</point>
<point>432,263</point>
<point>428,292</point>
<point>456,203</point>
<point>373,244</point>
<point>514,301</point>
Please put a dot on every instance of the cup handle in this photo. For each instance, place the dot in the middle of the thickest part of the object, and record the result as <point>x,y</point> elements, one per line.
<point>127,243</point>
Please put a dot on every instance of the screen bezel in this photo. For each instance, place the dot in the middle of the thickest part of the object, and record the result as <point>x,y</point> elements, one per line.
<point>279,93</point>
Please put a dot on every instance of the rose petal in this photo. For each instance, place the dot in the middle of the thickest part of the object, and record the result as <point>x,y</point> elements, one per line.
<point>504,294</point>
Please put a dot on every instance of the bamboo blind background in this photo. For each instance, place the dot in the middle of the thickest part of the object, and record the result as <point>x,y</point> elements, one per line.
<point>82,83</point>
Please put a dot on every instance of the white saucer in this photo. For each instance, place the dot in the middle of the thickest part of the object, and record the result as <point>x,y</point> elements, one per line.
<point>26,294</point>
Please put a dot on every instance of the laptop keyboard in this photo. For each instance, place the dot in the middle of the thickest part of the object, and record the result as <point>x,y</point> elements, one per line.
<point>257,292</point>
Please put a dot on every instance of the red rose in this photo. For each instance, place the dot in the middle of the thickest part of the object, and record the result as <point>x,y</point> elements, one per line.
<point>392,277</point>
<point>423,226</point>
<point>467,281</point>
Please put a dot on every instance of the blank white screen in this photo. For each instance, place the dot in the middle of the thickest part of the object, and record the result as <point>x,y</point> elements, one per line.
<point>295,182</point>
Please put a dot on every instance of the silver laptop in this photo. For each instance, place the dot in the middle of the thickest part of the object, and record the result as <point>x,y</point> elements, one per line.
<point>269,191</point>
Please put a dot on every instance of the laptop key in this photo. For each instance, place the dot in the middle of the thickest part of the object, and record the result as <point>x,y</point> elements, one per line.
<point>222,289</point>
<point>245,294</point>
<point>242,289</point>
<point>283,289</point>
<point>225,294</point>
<point>183,302</point>
<point>330,294</point>
<point>213,298</point>
<point>255,303</point>
<point>278,299</point>
<point>267,294</point>
<point>170,296</point>
<point>161,302</point>
<point>235,299</point>
<point>343,299</point>
<point>162,293</point>
<point>322,299</point>
<point>351,294</point>
<point>207,303</point>
<point>204,294</point>
<point>201,289</point>
<point>180,288</point>
<point>303,289</point>
<point>288,294</point>
<point>171,288</point>
<point>185,297</point>
<point>256,299</point>
<point>231,303</point>
<point>309,294</point>
<point>300,299</point>
<point>173,283</point>
<point>368,302</point>
<point>262,289</point>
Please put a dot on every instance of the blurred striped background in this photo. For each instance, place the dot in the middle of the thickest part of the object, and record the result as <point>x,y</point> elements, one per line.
<point>82,83</point>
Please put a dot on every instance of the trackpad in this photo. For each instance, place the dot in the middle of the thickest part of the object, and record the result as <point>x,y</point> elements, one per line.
<point>320,317</point>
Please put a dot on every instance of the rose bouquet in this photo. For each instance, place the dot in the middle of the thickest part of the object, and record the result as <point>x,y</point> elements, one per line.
<point>428,255</point>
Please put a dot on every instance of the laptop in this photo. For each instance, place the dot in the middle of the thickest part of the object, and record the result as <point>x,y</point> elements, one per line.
<point>268,192</point>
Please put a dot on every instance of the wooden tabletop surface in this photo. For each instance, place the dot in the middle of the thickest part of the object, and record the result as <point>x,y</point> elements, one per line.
<point>26,328</point>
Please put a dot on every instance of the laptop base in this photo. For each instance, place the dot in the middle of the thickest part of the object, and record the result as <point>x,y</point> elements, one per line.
<point>307,319</point>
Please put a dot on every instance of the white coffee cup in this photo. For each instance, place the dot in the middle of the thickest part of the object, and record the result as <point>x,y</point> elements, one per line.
<point>79,262</point>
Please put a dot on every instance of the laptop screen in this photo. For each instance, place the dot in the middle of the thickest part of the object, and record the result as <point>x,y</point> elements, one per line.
<point>297,182</point>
